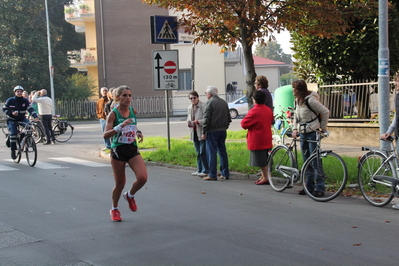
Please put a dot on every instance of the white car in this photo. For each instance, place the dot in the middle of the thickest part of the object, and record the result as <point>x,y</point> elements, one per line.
<point>238,107</point>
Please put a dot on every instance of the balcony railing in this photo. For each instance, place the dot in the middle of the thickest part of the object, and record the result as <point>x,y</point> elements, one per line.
<point>83,57</point>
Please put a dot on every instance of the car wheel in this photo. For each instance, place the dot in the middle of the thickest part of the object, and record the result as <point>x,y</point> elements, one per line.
<point>233,113</point>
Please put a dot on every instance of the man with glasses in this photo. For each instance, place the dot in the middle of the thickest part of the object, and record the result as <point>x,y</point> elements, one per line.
<point>16,108</point>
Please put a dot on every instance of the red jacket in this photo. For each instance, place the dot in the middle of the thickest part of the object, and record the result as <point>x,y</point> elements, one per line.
<point>258,121</point>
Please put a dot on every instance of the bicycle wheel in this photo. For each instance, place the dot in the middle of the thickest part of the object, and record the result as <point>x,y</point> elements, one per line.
<point>63,134</point>
<point>30,150</point>
<point>4,128</point>
<point>327,172</point>
<point>37,133</point>
<point>18,152</point>
<point>280,159</point>
<point>376,192</point>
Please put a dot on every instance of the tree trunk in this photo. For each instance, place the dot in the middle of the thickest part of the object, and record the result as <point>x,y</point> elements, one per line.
<point>249,64</point>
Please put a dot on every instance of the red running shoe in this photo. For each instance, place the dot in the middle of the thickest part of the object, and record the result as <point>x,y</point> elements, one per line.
<point>115,215</point>
<point>132,202</point>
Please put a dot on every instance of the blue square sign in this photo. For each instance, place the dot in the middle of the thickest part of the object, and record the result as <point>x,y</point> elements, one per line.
<point>164,29</point>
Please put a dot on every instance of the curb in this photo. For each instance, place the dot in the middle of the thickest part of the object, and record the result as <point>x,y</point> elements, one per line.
<point>233,175</point>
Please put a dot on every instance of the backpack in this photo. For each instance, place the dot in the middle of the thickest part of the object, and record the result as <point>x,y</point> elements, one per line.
<point>318,116</point>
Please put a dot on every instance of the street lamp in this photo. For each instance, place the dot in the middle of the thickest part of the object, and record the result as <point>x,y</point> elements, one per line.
<point>50,60</point>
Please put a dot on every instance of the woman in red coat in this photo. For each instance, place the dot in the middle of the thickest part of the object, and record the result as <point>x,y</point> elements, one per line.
<point>258,121</point>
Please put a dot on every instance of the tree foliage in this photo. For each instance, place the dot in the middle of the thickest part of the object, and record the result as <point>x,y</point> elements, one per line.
<point>79,87</point>
<point>229,22</point>
<point>23,45</point>
<point>351,56</point>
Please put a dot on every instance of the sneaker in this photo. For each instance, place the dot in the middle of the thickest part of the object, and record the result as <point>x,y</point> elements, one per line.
<point>202,174</point>
<point>115,215</point>
<point>53,142</point>
<point>132,202</point>
<point>395,206</point>
<point>13,155</point>
<point>195,173</point>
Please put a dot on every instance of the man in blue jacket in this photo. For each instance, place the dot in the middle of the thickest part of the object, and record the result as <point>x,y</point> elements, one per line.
<point>16,108</point>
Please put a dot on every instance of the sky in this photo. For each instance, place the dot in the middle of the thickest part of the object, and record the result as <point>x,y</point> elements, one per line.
<point>284,40</point>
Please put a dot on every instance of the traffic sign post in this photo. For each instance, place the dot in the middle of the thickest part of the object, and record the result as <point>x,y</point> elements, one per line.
<point>165,69</point>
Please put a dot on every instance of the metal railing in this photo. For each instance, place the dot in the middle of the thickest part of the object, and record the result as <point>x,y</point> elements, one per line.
<point>348,102</point>
<point>354,101</point>
<point>146,106</point>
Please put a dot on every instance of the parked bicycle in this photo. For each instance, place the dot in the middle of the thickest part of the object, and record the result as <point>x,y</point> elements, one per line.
<point>321,166</point>
<point>378,175</point>
<point>63,130</point>
<point>282,128</point>
<point>25,143</point>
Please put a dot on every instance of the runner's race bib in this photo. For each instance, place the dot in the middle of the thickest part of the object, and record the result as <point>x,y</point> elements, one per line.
<point>128,134</point>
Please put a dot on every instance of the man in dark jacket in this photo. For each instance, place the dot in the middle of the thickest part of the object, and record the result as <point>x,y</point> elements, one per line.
<point>15,109</point>
<point>216,122</point>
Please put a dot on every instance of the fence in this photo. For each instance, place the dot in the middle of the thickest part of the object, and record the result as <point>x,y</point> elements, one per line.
<point>146,106</point>
<point>348,102</point>
<point>353,101</point>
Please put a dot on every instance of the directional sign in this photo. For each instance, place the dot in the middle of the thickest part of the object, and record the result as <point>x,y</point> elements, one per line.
<point>165,69</point>
<point>164,29</point>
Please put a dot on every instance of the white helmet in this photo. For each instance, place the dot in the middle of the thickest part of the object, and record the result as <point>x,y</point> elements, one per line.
<point>18,87</point>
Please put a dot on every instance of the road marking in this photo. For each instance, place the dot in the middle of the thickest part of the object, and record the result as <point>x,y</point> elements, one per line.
<point>80,162</point>
<point>7,168</point>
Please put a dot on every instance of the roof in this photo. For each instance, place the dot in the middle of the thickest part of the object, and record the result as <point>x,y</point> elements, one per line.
<point>260,61</point>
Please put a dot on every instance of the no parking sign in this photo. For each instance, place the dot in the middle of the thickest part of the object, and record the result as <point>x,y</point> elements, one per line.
<point>165,69</point>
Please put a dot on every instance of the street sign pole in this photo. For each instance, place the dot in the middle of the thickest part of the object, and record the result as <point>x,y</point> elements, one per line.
<point>167,111</point>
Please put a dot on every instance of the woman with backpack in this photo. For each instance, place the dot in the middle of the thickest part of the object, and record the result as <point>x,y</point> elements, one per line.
<point>308,110</point>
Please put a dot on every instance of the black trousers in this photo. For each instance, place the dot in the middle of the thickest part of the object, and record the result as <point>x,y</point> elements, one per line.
<point>46,120</point>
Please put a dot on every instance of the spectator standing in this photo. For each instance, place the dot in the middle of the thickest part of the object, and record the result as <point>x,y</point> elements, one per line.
<point>216,122</point>
<point>303,114</point>
<point>100,111</point>
<point>395,121</point>
<point>108,106</point>
<point>195,114</point>
<point>15,109</point>
<point>262,84</point>
<point>32,103</point>
<point>45,106</point>
<point>258,121</point>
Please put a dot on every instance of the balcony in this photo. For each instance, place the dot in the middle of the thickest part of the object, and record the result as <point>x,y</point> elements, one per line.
<point>83,58</point>
<point>78,15</point>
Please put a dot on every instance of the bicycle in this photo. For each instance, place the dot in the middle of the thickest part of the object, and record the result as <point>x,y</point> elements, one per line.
<point>63,130</point>
<point>324,166</point>
<point>282,128</point>
<point>25,143</point>
<point>378,175</point>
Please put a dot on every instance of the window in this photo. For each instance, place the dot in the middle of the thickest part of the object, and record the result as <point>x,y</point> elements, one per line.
<point>184,80</point>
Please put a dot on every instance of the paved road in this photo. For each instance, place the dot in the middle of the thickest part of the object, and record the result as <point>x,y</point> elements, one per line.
<point>57,214</point>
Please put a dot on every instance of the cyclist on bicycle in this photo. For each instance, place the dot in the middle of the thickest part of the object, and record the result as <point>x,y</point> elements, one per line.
<point>16,108</point>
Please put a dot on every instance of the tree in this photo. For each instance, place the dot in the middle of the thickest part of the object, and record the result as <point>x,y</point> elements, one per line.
<point>351,56</point>
<point>228,22</point>
<point>79,87</point>
<point>23,45</point>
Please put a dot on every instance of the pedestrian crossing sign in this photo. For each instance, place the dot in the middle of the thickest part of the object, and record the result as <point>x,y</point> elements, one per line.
<point>164,29</point>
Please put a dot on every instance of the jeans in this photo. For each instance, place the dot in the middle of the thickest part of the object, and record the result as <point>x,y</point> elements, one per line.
<point>107,142</point>
<point>200,149</point>
<point>307,149</point>
<point>46,120</point>
<point>12,127</point>
<point>215,142</point>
